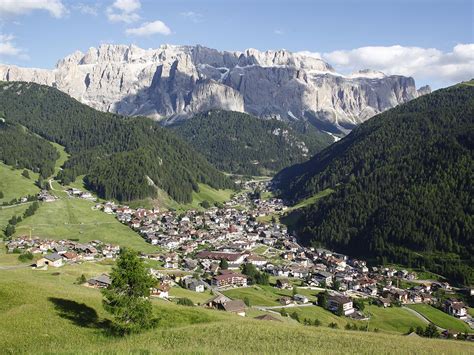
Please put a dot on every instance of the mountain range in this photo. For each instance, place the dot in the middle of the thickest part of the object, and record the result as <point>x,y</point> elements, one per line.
<point>175,82</point>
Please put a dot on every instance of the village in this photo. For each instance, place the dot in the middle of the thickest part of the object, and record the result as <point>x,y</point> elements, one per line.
<point>211,250</point>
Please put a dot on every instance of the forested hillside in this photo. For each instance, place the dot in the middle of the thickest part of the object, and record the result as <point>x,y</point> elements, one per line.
<point>122,157</point>
<point>242,144</point>
<point>22,149</point>
<point>403,186</point>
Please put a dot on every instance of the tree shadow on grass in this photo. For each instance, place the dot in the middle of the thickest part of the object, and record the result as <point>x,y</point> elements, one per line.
<point>79,313</point>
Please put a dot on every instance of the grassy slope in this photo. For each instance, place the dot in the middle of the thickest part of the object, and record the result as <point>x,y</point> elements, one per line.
<point>13,185</point>
<point>392,319</point>
<point>206,193</point>
<point>39,310</point>
<point>70,218</point>
<point>440,318</point>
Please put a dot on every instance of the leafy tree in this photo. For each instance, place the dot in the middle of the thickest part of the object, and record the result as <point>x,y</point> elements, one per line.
<point>359,304</point>
<point>336,285</point>
<point>333,325</point>
<point>127,296</point>
<point>25,257</point>
<point>323,299</point>
<point>294,291</point>
<point>25,174</point>
<point>431,331</point>
<point>205,204</point>
<point>295,316</point>
<point>224,264</point>
<point>339,311</point>
<point>81,279</point>
<point>9,230</point>
<point>317,322</point>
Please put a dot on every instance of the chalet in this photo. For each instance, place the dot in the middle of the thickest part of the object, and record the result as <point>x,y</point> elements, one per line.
<point>256,260</point>
<point>336,302</point>
<point>456,308</point>
<point>193,284</point>
<point>229,279</point>
<point>384,302</point>
<point>232,258</point>
<point>101,281</point>
<point>397,295</point>
<point>300,298</point>
<point>284,300</point>
<point>71,256</point>
<point>236,306</point>
<point>54,260</point>
<point>283,283</point>
<point>161,290</point>
<point>217,300</point>
<point>323,277</point>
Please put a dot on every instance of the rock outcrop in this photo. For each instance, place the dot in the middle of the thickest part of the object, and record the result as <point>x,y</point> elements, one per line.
<point>175,82</point>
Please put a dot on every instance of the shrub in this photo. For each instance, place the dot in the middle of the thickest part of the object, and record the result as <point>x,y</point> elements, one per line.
<point>185,302</point>
<point>333,325</point>
<point>25,257</point>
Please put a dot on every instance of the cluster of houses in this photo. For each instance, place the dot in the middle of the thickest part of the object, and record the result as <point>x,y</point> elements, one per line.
<point>56,253</point>
<point>86,195</point>
<point>200,240</point>
<point>45,196</point>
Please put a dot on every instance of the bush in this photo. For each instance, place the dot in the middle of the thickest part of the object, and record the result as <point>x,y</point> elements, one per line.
<point>185,302</point>
<point>26,174</point>
<point>333,325</point>
<point>205,204</point>
<point>81,279</point>
<point>25,257</point>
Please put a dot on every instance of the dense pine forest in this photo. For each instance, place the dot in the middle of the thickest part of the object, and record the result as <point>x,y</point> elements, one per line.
<point>403,187</point>
<point>242,144</point>
<point>22,149</point>
<point>122,158</point>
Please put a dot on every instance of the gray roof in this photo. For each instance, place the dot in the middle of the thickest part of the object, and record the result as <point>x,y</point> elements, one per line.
<point>53,257</point>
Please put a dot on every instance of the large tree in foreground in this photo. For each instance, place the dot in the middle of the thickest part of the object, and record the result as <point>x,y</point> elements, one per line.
<point>127,296</point>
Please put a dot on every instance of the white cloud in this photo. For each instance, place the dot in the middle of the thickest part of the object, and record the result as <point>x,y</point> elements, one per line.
<point>124,11</point>
<point>192,16</point>
<point>87,9</point>
<point>9,49</point>
<point>429,65</point>
<point>20,7</point>
<point>278,32</point>
<point>149,28</point>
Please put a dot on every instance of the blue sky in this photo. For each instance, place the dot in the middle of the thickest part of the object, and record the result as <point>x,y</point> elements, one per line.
<point>431,40</point>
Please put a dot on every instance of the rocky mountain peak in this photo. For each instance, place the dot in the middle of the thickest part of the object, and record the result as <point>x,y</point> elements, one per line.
<point>175,81</point>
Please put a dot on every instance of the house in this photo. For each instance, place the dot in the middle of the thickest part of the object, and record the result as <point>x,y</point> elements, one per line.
<point>285,300</point>
<point>194,285</point>
<point>54,260</point>
<point>323,277</point>
<point>384,302</point>
<point>456,308</point>
<point>229,279</point>
<point>300,298</point>
<point>283,283</point>
<point>217,300</point>
<point>101,281</point>
<point>336,302</point>
<point>236,306</point>
<point>70,256</point>
<point>256,260</point>
<point>161,290</point>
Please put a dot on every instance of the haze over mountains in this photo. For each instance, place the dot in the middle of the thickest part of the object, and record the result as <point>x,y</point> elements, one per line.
<point>175,82</point>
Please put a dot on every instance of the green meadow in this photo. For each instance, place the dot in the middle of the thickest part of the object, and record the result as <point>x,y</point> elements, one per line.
<point>14,185</point>
<point>46,311</point>
<point>440,318</point>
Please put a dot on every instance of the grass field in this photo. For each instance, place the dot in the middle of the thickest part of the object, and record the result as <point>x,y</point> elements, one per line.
<point>440,318</point>
<point>206,193</point>
<point>196,297</point>
<point>392,319</point>
<point>9,211</point>
<point>63,156</point>
<point>45,311</point>
<point>71,218</point>
<point>14,185</point>
<point>315,312</point>
<point>312,199</point>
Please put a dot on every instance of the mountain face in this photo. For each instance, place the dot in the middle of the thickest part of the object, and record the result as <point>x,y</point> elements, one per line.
<point>175,82</point>
<point>123,158</point>
<point>402,186</point>
<point>238,143</point>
